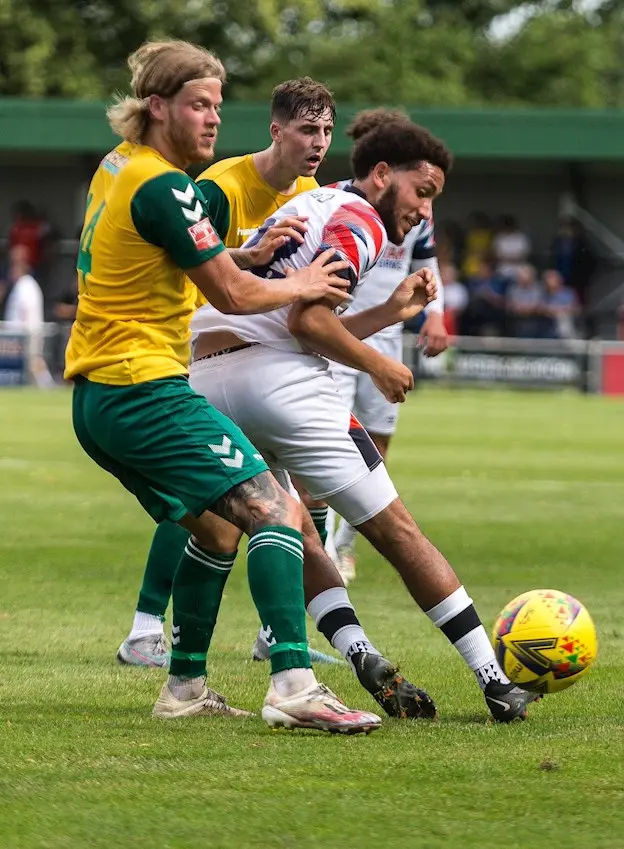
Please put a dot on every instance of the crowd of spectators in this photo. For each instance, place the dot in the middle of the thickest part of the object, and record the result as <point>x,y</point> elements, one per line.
<point>492,287</point>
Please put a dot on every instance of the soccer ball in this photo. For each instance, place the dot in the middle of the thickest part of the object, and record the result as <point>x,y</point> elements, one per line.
<point>545,640</point>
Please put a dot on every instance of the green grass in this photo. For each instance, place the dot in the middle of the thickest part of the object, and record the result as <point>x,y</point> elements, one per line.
<point>519,491</point>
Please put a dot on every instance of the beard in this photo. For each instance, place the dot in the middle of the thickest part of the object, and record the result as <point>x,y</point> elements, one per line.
<point>386,207</point>
<point>184,142</point>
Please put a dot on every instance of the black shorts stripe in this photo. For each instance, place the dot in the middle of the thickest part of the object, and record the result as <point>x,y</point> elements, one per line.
<point>364,444</point>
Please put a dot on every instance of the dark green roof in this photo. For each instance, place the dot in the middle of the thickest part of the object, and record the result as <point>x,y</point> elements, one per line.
<point>78,126</point>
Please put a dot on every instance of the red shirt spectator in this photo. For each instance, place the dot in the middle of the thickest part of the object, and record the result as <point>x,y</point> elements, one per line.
<point>28,231</point>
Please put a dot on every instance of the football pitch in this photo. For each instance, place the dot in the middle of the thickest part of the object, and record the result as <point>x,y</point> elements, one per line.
<point>519,490</point>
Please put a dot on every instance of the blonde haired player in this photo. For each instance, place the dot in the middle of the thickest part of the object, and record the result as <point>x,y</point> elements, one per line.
<point>242,192</point>
<point>146,228</point>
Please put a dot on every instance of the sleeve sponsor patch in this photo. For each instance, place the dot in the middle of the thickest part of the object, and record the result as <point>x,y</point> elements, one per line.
<point>204,235</point>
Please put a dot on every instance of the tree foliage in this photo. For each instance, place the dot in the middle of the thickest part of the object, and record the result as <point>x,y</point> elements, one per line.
<point>428,52</point>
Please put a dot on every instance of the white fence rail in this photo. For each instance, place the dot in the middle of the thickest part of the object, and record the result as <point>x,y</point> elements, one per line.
<point>587,366</point>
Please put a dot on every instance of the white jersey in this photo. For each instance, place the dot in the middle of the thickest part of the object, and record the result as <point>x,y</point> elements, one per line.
<point>338,219</point>
<point>396,263</point>
<point>24,306</point>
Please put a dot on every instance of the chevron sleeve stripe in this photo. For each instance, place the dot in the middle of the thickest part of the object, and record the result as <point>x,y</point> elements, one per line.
<point>170,211</point>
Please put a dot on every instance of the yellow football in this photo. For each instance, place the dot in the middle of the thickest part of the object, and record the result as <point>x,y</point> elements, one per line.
<point>545,640</point>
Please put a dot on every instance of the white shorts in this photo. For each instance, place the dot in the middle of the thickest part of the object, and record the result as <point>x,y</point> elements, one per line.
<point>360,394</point>
<point>288,406</point>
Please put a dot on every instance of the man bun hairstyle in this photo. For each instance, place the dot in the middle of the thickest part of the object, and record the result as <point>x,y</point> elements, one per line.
<point>159,67</point>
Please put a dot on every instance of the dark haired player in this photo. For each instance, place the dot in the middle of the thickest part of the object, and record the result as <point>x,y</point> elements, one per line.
<point>270,374</point>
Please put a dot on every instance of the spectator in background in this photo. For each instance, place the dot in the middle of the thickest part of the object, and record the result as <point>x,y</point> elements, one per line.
<point>455,298</point>
<point>449,243</point>
<point>511,247</point>
<point>29,231</point>
<point>477,244</point>
<point>485,314</point>
<point>524,303</point>
<point>573,257</point>
<point>23,311</point>
<point>560,306</point>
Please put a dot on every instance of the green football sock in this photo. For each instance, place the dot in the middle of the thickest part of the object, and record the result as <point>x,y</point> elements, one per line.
<point>162,561</point>
<point>275,572</point>
<point>319,517</point>
<point>197,589</point>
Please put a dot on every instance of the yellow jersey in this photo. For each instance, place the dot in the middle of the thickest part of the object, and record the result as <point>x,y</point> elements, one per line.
<point>146,221</point>
<point>239,199</point>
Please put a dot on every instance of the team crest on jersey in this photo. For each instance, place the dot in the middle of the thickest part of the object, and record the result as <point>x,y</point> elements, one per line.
<point>204,235</point>
<point>394,252</point>
<point>114,161</point>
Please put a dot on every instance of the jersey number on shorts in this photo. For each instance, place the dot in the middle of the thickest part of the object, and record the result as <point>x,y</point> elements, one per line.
<point>84,252</point>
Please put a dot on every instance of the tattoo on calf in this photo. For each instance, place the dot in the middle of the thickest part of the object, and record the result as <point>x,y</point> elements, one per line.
<point>253,504</point>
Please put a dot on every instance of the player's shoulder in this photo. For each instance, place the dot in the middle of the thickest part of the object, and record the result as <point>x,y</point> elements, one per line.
<point>139,165</point>
<point>306,184</point>
<point>226,171</point>
<point>421,239</point>
<point>321,202</point>
<point>117,158</point>
<point>339,184</point>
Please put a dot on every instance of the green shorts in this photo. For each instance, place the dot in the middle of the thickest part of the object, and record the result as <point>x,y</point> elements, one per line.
<point>164,442</point>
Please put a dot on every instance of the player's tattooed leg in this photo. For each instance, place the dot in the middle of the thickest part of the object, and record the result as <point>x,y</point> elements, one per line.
<point>256,503</point>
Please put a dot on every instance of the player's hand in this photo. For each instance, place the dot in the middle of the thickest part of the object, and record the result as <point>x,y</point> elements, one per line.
<point>433,335</point>
<point>393,379</point>
<point>413,294</point>
<point>319,279</point>
<point>293,227</point>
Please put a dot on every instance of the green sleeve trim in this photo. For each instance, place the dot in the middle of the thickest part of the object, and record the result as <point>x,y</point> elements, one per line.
<point>218,206</point>
<point>170,211</point>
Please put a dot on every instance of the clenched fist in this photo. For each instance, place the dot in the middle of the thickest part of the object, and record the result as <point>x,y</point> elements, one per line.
<point>393,379</point>
<point>413,294</point>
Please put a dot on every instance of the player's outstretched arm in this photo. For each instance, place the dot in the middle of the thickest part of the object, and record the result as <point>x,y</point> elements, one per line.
<point>170,211</point>
<point>231,290</point>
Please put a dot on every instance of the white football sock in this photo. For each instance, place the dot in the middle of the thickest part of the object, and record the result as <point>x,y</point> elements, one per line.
<point>343,629</point>
<point>345,535</point>
<point>289,682</point>
<point>185,689</point>
<point>456,617</point>
<point>330,542</point>
<point>144,624</point>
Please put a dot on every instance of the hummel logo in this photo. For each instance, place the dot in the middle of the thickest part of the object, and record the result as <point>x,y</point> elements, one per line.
<point>186,198</point>
<point>224,448</point>
<point>267,633</point>
<point>175,635</point>
<point>235,462</point>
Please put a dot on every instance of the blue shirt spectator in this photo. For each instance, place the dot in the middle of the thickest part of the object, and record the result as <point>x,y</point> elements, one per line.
<point>560,306</point>
<point>525,304</point>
